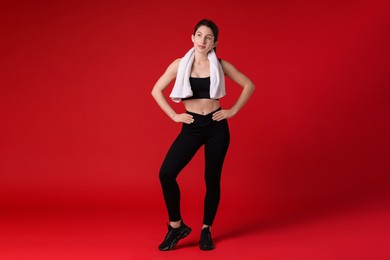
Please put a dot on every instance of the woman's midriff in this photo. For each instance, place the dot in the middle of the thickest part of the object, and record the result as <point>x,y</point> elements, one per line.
<point>202,106</point>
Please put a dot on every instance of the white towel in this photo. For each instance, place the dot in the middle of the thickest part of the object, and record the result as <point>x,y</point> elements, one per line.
<point>182,87</point>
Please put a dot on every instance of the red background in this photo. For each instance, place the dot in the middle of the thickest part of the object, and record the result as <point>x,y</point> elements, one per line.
<point>80,131</point>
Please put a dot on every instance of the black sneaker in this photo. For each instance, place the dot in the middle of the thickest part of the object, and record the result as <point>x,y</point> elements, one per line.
<point>205,242</point>
<point>173,236</point>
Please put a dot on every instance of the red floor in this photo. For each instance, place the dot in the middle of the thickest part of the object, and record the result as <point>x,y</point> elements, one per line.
<point>362,232</point>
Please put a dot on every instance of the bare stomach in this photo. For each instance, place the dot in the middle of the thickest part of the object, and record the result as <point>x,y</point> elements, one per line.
<point>201,106</point>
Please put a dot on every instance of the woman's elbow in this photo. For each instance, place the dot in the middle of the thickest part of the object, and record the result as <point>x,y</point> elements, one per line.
<point>154,92</point>
<point>251,87</point>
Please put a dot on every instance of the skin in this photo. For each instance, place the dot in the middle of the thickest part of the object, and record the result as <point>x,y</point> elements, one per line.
<point>203,40</point>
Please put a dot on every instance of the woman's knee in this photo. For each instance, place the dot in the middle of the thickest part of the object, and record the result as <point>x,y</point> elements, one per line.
<point>166,174</point>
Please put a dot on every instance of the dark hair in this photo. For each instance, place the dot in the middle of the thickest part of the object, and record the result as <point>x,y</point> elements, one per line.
<point>211,25</point>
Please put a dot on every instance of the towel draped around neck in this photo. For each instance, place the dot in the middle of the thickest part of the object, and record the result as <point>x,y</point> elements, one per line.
<point>182,86</point>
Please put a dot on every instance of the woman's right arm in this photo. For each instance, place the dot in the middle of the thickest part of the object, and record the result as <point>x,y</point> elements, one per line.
<point>157,93</point>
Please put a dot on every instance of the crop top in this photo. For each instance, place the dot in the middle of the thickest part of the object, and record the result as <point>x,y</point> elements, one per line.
<point>200,88</point>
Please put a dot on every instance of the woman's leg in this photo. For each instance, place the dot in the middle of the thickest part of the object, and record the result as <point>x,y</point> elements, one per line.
<point>181,152</point>
<point>215,151</point>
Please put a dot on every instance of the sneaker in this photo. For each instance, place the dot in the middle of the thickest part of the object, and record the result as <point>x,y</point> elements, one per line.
<point>173,236</point>
<point>205,242</point>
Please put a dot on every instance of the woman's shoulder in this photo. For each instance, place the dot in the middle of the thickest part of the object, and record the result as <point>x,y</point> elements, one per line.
<point>225,64</point>
<point>228,68</point>
<point>173,67</point>
<point>175,63</point>
<point>223,61</point>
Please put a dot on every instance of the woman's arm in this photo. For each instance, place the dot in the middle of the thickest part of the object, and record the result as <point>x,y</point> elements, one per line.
<point>157,93</point>
<point>246,92</point>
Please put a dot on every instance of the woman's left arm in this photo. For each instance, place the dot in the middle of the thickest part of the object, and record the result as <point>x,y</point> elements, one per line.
<point>244,82</point>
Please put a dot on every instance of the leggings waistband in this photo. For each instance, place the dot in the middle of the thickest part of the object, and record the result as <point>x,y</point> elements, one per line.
<point>203,116</point>
<point>201,120</point>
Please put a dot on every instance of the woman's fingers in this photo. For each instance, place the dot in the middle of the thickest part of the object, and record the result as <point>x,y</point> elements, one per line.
<point>184,118</point>
<point>221,115</point>
<point>188,119</point>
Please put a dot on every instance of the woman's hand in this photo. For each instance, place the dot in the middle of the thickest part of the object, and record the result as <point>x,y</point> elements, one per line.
<point>183,118</point>
<point>222,114</point>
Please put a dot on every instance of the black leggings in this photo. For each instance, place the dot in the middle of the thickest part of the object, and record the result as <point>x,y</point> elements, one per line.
<point>215,137</point>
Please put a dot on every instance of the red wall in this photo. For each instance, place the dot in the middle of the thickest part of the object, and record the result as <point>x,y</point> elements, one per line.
<point>79,127</point>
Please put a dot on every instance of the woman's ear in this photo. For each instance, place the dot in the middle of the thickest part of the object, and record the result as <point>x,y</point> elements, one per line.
<point>192,38</point>
<point>215,44</point>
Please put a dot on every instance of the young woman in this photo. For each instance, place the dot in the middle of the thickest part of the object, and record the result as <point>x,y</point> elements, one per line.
<point>199,85</point>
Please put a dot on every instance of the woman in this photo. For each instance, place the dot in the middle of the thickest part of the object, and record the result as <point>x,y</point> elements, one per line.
<point>199,85</point>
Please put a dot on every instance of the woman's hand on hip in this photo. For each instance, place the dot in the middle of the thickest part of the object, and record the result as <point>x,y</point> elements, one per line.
<point>222,114</point>
<point>183,118</point>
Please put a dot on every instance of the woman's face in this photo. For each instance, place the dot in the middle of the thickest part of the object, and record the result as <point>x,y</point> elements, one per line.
<point>203,39</point>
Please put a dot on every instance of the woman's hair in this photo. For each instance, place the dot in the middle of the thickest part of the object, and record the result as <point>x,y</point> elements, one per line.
<point>211,25</point>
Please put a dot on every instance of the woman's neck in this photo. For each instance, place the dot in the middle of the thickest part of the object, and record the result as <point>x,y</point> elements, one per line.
<point>201,58</point>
